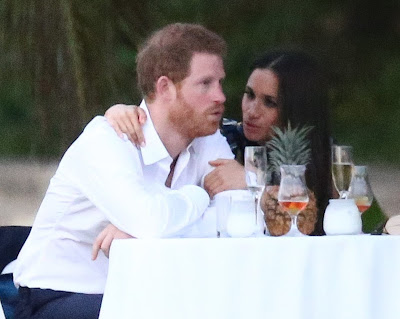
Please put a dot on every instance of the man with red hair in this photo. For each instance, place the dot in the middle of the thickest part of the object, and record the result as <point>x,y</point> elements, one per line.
<point>153,191</point>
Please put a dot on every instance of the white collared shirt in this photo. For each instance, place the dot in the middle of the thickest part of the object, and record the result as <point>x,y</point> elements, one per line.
<point>103,179</point>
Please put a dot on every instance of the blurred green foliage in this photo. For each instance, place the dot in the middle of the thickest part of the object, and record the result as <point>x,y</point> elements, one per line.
<point>373,218</point>
<point>64,61</point>
<point>15,119</point>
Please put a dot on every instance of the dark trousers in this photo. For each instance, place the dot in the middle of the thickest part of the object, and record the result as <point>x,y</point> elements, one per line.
<point>35,303</point>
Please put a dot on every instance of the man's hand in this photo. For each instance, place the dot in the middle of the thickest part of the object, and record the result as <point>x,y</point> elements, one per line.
<point>128,119</point>
<point>228,174</point>
<point>105,238</point>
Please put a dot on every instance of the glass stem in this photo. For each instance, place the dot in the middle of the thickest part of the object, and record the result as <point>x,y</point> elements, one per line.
<point>343,194</point>
<point>294,222</point>
<point>256,205</point>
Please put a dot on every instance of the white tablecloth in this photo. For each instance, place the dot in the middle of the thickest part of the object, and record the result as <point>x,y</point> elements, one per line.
<point>338,277</point>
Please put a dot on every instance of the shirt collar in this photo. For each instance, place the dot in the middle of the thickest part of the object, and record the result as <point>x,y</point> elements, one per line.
<point>195,145</point>
<point>154,150</point>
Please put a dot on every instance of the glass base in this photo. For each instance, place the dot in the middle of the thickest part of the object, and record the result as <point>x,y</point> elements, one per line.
<point>294,231</point>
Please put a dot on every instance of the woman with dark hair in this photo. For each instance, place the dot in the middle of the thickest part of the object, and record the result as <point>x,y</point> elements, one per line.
<point>288,86</point>
<point>283,86</point>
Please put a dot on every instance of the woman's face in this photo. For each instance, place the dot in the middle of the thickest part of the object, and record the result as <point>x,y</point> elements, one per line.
<point>260,105</point>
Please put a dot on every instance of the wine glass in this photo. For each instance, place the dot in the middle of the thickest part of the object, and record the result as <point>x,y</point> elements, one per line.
<point>293,194</point>
<point>255,165</point>
<point>360,189</point>
<point>342,166</point>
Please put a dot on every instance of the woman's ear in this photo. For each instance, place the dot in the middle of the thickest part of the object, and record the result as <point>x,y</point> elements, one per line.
<point>165,88</point>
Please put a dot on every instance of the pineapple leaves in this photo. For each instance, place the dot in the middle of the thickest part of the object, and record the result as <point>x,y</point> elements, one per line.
<point>289,146</point>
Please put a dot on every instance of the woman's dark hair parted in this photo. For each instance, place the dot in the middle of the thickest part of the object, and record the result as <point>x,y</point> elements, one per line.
<point>303,100</point>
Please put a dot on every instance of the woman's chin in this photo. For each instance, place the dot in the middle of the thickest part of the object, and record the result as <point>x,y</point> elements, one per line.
<point>252,136</point>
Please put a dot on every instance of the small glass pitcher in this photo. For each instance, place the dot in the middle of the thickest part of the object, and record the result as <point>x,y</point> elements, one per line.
<point>342,218</point>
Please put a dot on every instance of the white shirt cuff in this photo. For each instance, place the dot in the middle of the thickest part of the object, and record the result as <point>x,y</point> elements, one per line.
<point>198,196</point>
<point>205,227</point>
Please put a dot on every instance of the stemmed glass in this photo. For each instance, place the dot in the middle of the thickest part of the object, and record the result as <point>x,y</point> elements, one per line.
<point>293,194</point>
<point>342,167</point>
<point>255,165</point>
<point>360,189</point>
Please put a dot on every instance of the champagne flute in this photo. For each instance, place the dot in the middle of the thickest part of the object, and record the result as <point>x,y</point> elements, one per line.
<point>255,165</point>
<point>360,189</point>
<point>342,167</point>
<point>293,194</point>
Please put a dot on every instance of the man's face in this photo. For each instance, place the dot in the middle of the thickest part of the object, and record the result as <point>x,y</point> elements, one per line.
<point>200,99</point>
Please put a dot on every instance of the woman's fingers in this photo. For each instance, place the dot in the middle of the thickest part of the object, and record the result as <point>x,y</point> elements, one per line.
<point>115,126</point>
<point>128,119</point>
<point>130,131</point>
<point>227,174</point>
<point>219,162</point>
<point>136,120</point>
<point>142,116</point>
<point>213,183</point>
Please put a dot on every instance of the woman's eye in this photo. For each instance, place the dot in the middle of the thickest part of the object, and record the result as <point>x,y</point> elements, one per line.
<point>269,102</point>
<point>250,94</point>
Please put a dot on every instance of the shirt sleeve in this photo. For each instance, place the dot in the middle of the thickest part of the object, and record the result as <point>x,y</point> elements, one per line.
<point>205,227</point>
<point>108,171</point>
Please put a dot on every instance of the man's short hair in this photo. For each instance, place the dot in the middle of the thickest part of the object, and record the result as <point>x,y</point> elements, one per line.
<point>168,52</point>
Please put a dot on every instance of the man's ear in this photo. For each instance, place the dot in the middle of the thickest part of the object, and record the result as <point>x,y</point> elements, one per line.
<point>165,88</point>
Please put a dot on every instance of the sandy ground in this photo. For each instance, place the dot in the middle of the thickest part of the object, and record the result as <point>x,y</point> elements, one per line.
<point>23,185</point>
<point>22,188</point>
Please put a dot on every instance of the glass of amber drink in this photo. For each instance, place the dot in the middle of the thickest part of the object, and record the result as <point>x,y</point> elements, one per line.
<point>360,189</point>
<point>293,194</point>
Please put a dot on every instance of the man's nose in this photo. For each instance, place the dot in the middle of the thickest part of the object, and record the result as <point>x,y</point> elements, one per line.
<point>219,96</point>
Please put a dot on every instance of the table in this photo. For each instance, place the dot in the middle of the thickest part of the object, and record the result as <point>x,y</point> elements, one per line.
<point>338,277</point>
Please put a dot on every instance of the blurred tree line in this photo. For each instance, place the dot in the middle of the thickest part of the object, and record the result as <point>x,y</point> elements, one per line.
<point>64,61</point>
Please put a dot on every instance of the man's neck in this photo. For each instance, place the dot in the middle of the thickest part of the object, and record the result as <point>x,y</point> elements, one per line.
<point>170,136</point>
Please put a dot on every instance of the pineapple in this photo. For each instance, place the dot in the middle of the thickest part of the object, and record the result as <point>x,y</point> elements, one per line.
<point>289,147</point>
